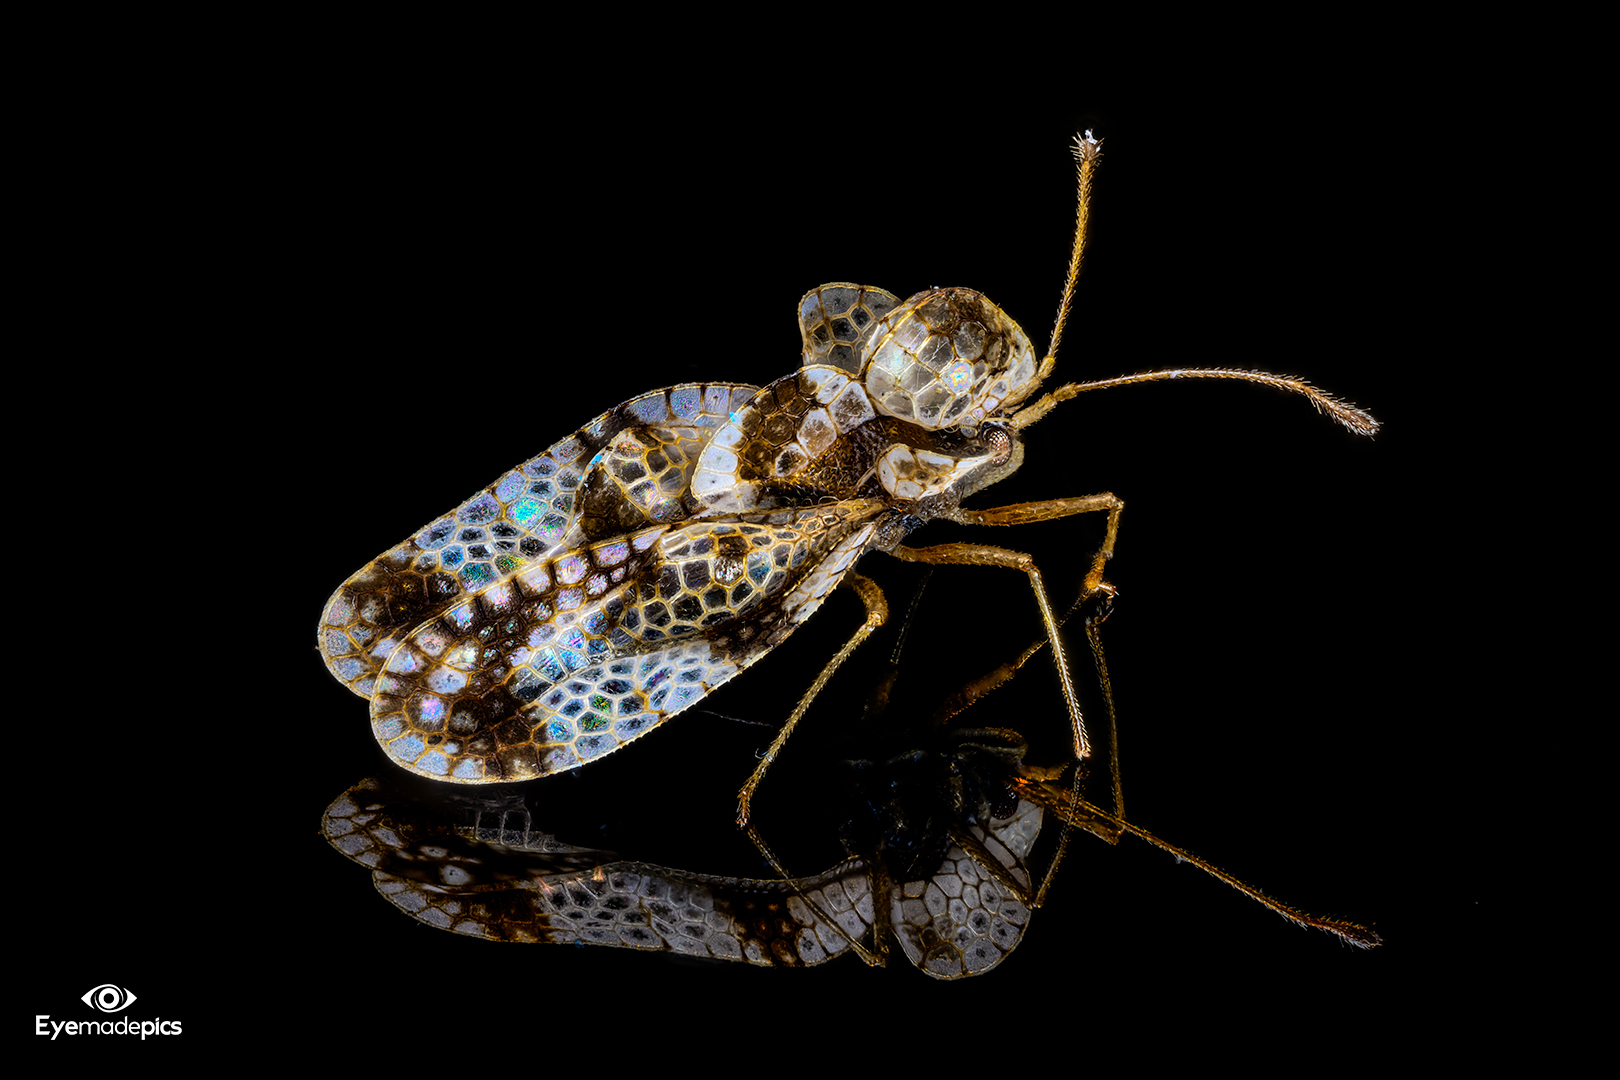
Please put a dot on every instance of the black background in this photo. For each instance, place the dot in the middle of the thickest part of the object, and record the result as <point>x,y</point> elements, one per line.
<point>419,282</point>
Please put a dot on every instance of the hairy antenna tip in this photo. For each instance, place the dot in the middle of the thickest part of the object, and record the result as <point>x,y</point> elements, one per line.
<point>1352,934</point>
<point>1357,420</point>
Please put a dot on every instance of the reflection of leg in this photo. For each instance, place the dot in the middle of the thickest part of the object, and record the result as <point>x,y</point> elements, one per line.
<point>848,922</point>
<point>1094,585</point>
<point>1035,781</point>
<point>985,555</point>
<point>969,695</point>
<point>1064,802</point>
<point>1045,787</point>
<point>877,612</point>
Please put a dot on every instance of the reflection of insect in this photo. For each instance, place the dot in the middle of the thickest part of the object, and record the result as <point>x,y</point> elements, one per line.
<point>938,841</point>
<point>616,579</point>
<point>941,832</point>
<point>938,835</point>
<point>496,878</point>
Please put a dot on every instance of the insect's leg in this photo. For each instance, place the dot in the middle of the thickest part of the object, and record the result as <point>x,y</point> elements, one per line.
<point>974,847</point>
<point>1094,637</point>
<point>882,886</point>
<point>877,702</point>
<point>969,695</point>
<point>1094,585</point>
<point>1097,827</point>
<point>986,555</point>
<point>877,612</point>
<point>1051,510</point>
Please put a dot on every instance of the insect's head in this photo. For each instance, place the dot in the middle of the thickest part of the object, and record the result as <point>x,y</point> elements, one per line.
<point>951,362</point>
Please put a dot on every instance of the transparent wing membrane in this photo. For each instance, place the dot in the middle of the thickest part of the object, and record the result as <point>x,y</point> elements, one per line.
<point>629,467</point>
<point>574,656</point>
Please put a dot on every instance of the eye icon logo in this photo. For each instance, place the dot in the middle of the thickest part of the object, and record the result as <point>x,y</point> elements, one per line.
<point>108,998</point>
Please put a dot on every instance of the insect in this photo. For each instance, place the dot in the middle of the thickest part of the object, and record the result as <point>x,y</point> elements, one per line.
<point>611,582</point>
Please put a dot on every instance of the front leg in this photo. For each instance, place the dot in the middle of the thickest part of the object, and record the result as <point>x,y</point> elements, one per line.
<point>1051,510</point>
<point>986,555</point>
<point>961,554</point>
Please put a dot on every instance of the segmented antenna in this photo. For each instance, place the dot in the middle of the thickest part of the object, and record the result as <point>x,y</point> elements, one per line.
<point>1087,151</point>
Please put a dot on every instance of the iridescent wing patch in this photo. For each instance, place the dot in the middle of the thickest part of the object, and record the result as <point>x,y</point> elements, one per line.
<point>576,655</point>
<point>627,468</point>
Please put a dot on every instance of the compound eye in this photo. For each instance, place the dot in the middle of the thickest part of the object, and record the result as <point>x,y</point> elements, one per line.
<point>999,444</point>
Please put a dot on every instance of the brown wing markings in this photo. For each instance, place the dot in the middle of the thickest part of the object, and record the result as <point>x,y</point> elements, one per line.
<point>572,658</point>
<point>528,513</point>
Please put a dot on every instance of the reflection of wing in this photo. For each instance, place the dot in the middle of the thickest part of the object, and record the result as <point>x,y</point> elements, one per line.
<point>639,906</point>
<point>533,889</point>
<point>627,468</point>
<point>962,921</point>
<point>497,879</point>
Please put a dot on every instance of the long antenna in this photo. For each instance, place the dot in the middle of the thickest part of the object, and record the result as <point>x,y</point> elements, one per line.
<point>1087,152</point>
<point>1341,412</point>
